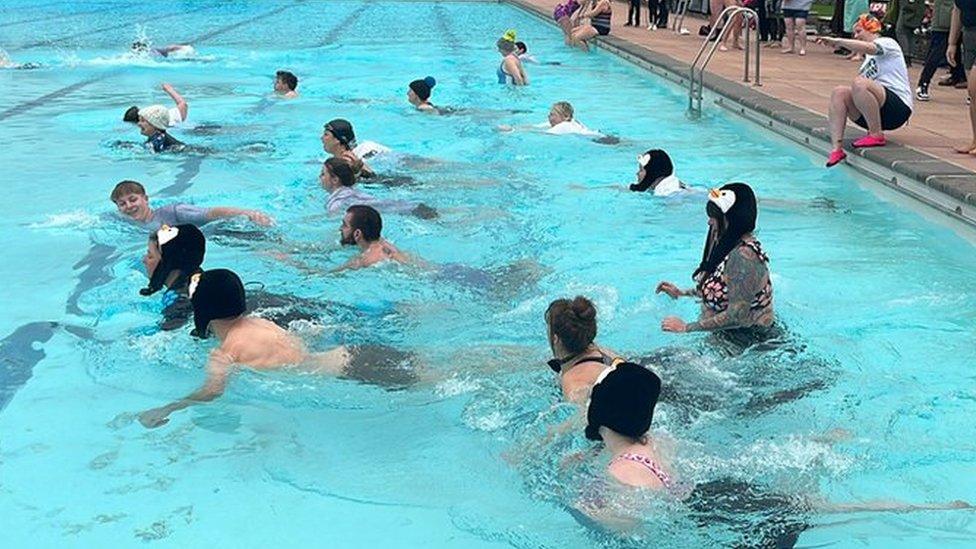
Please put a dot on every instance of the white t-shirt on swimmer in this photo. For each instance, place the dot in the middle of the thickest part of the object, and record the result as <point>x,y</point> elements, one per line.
<point>175,117</point>
<point>568,127</point>
<point>887,68</point>
<point>367,149</point>
<point>668,186</point>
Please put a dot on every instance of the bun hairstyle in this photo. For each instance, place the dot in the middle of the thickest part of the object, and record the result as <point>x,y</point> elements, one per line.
<point>657,165</point>
<point>573,321</point>
<point>423,87</point>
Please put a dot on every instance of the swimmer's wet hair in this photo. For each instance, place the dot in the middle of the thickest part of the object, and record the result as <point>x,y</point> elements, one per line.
<point>288,78</point>
<point>131,114</point>
<point>367,220</point>
<point>574,322</point>
<point>564,108</point>
<point>522,46</point>
<point>341,169</point>
<point>127,187</point>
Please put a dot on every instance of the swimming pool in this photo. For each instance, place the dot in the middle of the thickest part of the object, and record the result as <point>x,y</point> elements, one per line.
<point>874,294</point>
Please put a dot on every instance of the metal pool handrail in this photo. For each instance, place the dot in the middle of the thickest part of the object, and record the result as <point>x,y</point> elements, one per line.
<point>680,10</point>
<point>697,72</point>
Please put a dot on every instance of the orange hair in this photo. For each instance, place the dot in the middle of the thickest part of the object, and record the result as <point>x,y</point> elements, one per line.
<point>869,23</point>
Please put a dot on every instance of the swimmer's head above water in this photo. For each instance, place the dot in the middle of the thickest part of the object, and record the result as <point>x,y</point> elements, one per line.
<point>561,111</point>
<point>571,328</point>
<point>152,119</point>
<point>732,213</point>
<point>419,91</point>
<point>506,44</point>
<point>623,400</point>
<point>338,136</point>
<point>521,48</point>
<point>361,225</point>
<point>140,47</point>
<point>131,200</point>
<point>652,166</point>
<point>173,255</point>
<point>285,84</point>
<point>336,173</point>
<point>216,295</point>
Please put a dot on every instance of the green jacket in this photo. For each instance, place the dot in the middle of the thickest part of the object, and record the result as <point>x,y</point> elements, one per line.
<point>909,13</point>
<point>942,15</point>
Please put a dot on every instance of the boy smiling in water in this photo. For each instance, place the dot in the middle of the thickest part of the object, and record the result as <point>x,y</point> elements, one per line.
<point>133,203</point>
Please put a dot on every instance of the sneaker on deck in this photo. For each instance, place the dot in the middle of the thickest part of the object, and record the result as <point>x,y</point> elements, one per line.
<point>836,156</point>
<point>922,93</point>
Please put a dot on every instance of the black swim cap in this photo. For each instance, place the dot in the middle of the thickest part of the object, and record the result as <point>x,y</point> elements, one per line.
<point>623,399</point>
<point>341,129</point>
<point>182,248</point>
<point>215,295</point>
<point>423,87</point>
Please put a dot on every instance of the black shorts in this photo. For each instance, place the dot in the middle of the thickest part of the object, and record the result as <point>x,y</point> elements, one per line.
<point>602,31</point>
<point>894,113</point>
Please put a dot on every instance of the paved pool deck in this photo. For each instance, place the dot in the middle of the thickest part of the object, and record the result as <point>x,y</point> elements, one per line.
<point>793,99</point>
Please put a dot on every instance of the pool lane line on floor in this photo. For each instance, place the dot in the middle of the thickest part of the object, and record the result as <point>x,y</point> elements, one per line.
<point>929,180</point>
<point>57,94</point>
<point>336,31</point>
<point>234,26</point>
<point>141,20</point>
<point>62,15</point>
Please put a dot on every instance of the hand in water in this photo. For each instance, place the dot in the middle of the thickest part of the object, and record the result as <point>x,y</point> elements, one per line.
<point>260,218</point>
<point>670,289</point>
<point>674,324</point>
<point>150,419</point>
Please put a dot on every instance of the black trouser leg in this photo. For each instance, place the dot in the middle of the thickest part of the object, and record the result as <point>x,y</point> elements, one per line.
<point>652,11</point>
<point>662,14</point>
<point>763,21</point>
<point>939,41</point>
<point>633,16</point>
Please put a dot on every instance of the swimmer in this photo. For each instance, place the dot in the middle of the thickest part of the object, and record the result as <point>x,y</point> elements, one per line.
<point>578,360</point>
<point>338,179</point>
<point>732,280</point>
<point>562,14</point>
<point>141,47</point>
<point>362,227</point>
<point>418,94</point>
<point>7,63</point>
<point>561,121</point>
<point>339,140</point>
<point>523,54</point>
<point>656,172</point>
<point>220,305</point>
<point>285,85</point>
<point>177,114</point>
<point>619,414</point>
<point>173,254</point>
<point>511,70</point>
<point>133,203</point>
<point>153,121</point>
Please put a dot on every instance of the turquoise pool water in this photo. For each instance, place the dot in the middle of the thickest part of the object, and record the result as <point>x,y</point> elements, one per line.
<point>875,294</point>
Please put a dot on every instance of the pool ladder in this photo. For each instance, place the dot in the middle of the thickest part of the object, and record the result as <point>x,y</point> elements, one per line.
<point>697,72</point>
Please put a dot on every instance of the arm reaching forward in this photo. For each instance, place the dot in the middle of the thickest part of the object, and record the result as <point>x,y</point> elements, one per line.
<point>218,369</point>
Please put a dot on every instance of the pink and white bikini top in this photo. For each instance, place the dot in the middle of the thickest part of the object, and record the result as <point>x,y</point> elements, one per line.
<point>650,464</point>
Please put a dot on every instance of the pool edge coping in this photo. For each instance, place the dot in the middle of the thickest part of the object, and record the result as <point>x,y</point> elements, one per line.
<point>947,187</point>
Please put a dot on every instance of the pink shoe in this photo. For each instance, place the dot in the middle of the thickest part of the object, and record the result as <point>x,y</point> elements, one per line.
<point>836,156</point>
<point>870,141</point>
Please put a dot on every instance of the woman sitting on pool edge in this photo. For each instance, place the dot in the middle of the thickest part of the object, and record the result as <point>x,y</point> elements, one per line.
<point>577,358</point>
<point>511,70</point>
<point>599,13</point>
<point>732,280</point>
<point>418,93</point>
<point>880,98</point>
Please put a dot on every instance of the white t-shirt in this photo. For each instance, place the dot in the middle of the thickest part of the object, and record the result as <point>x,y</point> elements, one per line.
<point>569,127</point>
<point>175,118</point>
<point>367,149</point>
<point>887,68</point>
<point>668,186</point>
